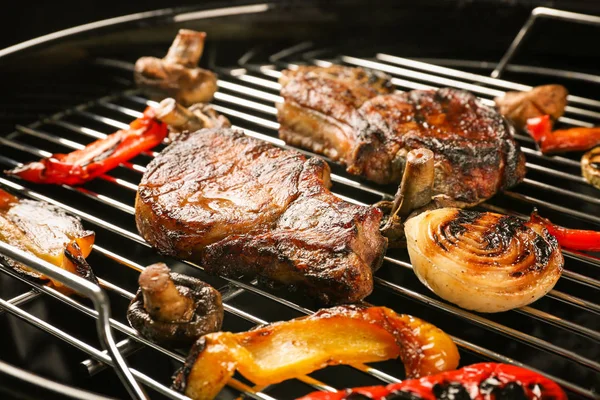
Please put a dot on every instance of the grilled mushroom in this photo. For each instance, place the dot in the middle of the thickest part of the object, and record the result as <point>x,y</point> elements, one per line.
<point>518,107</point>
<point>196,117</point>
<point>174,309</point>
<point>590,166</point>
<point>177,75</point>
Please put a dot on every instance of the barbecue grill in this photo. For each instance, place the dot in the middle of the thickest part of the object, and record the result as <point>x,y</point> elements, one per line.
<point>76,86</point>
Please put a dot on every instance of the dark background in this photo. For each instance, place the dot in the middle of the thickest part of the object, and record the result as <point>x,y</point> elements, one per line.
<point>29,19</point>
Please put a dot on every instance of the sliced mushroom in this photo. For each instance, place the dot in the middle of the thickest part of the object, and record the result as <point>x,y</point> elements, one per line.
<point>181,119</point>
<point>590,166</point>
<point>415,191</point>
<point>177,75</point>
<point>174,309</point>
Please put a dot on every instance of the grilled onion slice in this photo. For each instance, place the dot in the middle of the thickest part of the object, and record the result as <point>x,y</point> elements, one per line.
<point>483,261</point>
<point>590,166</point>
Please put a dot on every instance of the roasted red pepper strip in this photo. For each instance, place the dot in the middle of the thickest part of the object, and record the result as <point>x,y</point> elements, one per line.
<point>98,157</point>
<point>574,239</point>
<point>478,381</point>
<point>574,139</point>
<point>539,127</point>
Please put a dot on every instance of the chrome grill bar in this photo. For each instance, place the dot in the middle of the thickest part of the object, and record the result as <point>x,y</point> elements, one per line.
<point>435,69</point>
<point>536,13</point>
<point>23,298</point>
<point>94,293</point>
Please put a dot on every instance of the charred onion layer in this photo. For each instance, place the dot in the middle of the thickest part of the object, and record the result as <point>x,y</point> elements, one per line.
<point>339,335</point>
<point>483,261</point>
<point>46,232</point>
<point>477,381</point>
<point>174,309</point>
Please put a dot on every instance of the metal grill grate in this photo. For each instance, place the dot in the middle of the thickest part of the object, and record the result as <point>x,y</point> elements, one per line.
<point>557,336</point>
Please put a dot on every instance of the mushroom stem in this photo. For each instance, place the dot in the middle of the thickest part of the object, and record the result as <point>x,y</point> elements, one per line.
<point>177,116</point>
<point>162,299</point>
<point>182,119</point>
<point>186,49</point>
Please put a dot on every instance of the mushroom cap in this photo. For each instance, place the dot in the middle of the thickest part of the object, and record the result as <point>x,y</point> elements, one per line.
<point>208,315</point>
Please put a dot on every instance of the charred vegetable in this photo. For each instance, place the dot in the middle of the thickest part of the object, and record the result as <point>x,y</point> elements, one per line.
<point>518,107</point>
<point>483,261</point>
<point>174,309</point>
<point>181,119</point>
<point>339,335</point>
<point>590,166</point>
<point>98,157</point>
<point>48,233</point>
<point>477,381</point>
<point>177,75</point>
<point>549,141</point>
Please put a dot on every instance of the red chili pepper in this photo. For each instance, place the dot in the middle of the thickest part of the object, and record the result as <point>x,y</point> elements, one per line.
<point>539,127</point>
<point>574,239</point>
<point>98,157</point>
<point>478,381</point>
<point>574,139</point>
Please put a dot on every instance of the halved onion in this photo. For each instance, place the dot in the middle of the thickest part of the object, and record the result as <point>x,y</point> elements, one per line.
<point>483,261</point>
<point>590,166</point>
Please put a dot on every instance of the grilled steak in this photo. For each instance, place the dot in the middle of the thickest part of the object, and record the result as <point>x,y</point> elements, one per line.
<point>242,207</point>
<point>321,102</point>
<point>475,153</point>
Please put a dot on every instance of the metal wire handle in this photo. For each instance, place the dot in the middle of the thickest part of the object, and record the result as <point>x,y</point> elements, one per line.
<point>101,304</point>
<point>536,13</point>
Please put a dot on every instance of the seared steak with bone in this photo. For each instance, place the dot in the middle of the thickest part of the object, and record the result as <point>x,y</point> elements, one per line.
<point>354,122</point>
<point>242,207</point>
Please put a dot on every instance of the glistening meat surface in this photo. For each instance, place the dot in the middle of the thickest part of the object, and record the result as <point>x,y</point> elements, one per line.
<point>242,207</point>
<point>371,132</point>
